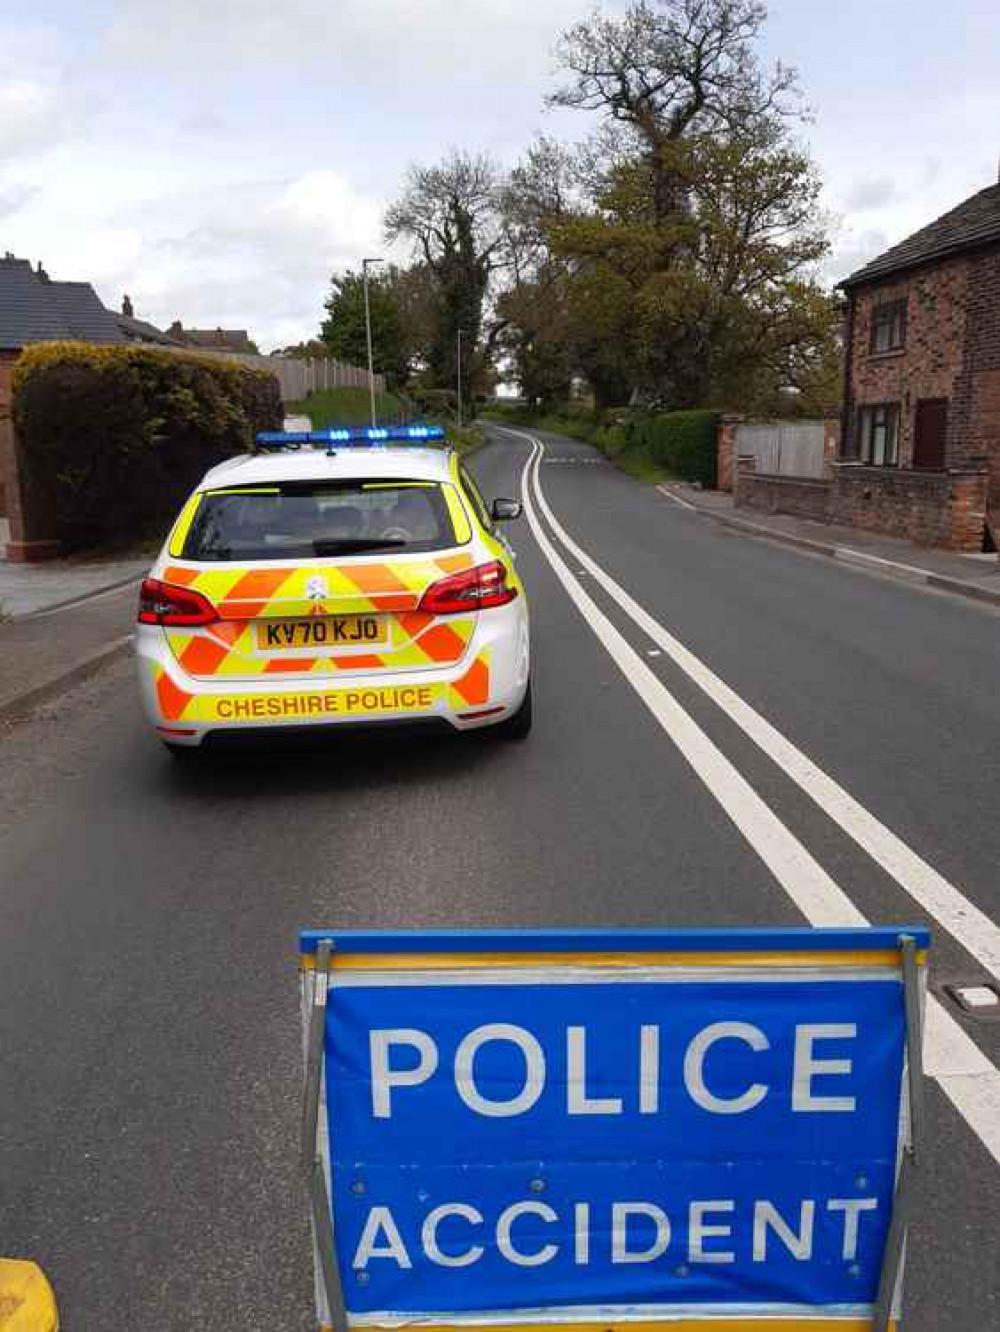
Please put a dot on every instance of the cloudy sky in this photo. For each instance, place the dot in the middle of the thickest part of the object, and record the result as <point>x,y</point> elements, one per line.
<point>217,159</point>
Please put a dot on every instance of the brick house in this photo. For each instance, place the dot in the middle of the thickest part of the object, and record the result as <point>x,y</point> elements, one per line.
<point>920,437</point>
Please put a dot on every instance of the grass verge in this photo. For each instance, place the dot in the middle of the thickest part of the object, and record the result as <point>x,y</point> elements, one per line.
<point>610,439</point>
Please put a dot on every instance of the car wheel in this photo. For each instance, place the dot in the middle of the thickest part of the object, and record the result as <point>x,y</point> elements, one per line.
<point>517,727</point>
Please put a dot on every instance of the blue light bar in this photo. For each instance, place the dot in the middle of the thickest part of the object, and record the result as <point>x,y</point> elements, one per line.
<point>363,435</point>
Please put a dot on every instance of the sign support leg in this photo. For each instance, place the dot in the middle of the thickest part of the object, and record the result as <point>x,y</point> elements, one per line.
<point>314,1053</point>
<point>322,1217</point>
<point>892,1258</point>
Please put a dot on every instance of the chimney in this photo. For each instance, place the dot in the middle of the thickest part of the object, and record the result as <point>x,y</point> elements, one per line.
<point>42,273</point>
<point>127,307</point>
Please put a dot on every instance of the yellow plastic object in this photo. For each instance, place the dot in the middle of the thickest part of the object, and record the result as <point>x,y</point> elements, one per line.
<point>27,1303</point>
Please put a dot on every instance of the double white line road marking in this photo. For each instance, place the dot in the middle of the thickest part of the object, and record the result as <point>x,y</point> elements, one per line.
<point>964,1073</point>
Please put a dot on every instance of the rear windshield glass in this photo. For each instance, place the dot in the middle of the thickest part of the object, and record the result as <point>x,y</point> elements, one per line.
<point>309,520</point>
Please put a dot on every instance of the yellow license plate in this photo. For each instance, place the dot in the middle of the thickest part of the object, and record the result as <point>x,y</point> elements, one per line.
<point>326,631</point>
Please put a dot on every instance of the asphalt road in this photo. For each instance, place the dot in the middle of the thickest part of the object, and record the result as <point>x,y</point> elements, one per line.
<point>149,1023</point>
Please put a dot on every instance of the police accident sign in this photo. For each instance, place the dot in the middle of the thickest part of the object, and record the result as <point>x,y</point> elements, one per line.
<point>689,1128</point>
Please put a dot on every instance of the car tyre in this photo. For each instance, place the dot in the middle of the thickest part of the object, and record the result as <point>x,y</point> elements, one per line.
<point>517,727</point>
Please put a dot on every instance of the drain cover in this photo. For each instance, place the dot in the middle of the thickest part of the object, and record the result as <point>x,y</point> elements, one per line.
<point>978,998</point>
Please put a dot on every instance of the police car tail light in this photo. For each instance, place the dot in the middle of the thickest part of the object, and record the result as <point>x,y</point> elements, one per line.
<point>163,603</point>
<point>473,589</point>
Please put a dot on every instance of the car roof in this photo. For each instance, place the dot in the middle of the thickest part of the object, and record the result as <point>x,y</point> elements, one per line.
<point>342,464</point>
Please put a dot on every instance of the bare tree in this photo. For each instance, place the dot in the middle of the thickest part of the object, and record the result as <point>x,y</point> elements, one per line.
<point>451,213</point>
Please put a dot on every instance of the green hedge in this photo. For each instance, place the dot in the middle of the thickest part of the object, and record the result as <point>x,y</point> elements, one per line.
<point>685,443</point>
<point>112,439</point>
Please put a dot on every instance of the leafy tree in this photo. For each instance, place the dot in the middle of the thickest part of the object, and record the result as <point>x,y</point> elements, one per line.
<point>344,333</point>
<point>670,70</point>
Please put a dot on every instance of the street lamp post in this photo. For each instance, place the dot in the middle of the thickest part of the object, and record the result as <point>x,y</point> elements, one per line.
<point>368,333</point>
<point>460,332</point>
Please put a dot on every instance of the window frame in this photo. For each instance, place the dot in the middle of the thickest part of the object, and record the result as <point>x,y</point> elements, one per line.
<point>866,424</point>
<point>893,316</point>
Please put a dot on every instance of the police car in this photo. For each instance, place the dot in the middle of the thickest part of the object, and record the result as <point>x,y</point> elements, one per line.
<point>333,578</point>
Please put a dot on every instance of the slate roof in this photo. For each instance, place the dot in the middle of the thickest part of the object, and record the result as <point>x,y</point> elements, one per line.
<point>138,330</point>
<point>973,223</point>
<point>35,309</point>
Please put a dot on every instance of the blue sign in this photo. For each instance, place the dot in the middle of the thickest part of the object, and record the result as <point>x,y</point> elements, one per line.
<point>662,1123</point>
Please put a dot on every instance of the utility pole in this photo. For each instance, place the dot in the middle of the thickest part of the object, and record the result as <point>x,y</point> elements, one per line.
<point>460,332</point>
<point>368,333</point>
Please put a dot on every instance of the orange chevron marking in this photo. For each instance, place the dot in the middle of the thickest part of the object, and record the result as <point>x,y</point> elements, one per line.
<point>375,579</point>
<point>253,591</point>
<point>442,643</point>
<point>172,700</point>
<point>287,666</point>
<point>359,663</point>
<point>454,563</point>
<point>203,656</point>
<point>180,577</point>
<point>227,631</point>
<point>414,622</point>
<point>474,686</point>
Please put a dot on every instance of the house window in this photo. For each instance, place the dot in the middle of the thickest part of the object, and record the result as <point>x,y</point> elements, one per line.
<point>878,434</point>
<point>888,327</point>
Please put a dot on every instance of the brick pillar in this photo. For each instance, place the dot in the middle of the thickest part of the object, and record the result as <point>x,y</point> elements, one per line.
<point>968,491</point>
<point>746,470</point>
<point>832,427</point>
<point>727,450</point>
<point>28,539</point>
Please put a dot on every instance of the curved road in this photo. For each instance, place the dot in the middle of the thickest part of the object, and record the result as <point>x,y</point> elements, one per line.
<point>727,733</point>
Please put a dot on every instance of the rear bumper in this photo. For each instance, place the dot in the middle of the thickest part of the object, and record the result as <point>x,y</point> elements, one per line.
<point>483,689</point>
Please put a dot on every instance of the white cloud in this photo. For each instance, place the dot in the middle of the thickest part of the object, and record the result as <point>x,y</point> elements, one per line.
<point>36,115</point>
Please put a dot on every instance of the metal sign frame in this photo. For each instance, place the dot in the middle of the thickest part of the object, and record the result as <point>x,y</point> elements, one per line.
<point>323,951</point>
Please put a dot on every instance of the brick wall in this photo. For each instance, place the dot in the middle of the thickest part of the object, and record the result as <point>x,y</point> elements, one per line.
<point>782,494</point>
<point>929,366</point>
<point>974,425</point>
<point>944,509</point>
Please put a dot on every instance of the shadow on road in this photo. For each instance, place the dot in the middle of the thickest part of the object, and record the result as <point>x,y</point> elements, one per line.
<point>247,768</point>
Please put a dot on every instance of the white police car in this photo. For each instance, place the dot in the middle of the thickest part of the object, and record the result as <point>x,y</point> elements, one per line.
<point>334,578</point>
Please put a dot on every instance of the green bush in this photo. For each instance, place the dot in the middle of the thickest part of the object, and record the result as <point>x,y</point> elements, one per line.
<point>685,443</point>
<point>112,439</point>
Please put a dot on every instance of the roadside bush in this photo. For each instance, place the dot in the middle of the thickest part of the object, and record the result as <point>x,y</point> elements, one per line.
<point>682,442</point>
<point>111,439</point>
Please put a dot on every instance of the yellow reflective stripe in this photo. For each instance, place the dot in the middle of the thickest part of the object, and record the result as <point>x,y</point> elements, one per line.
<point>887,958</point>
<point>459,518</point>
<point>399,485</point>
<point>255,490</point>
<point>183,525</point>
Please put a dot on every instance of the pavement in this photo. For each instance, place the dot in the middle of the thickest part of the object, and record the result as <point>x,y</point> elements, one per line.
<point>974,576</point>
<point>149,1016</point>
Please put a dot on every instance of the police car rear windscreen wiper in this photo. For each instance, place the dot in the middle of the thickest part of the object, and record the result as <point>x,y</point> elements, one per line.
<point>354,545</point>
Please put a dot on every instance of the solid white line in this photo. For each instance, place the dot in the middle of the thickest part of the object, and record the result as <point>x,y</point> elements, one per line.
<point>973,929</point>
<point>669,494</point>
<point>951,1056</point>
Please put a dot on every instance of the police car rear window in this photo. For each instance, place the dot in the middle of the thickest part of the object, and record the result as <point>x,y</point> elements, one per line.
<point>309,521</point>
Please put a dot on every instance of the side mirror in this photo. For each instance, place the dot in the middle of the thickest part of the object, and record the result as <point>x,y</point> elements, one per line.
<point>505,509</point>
